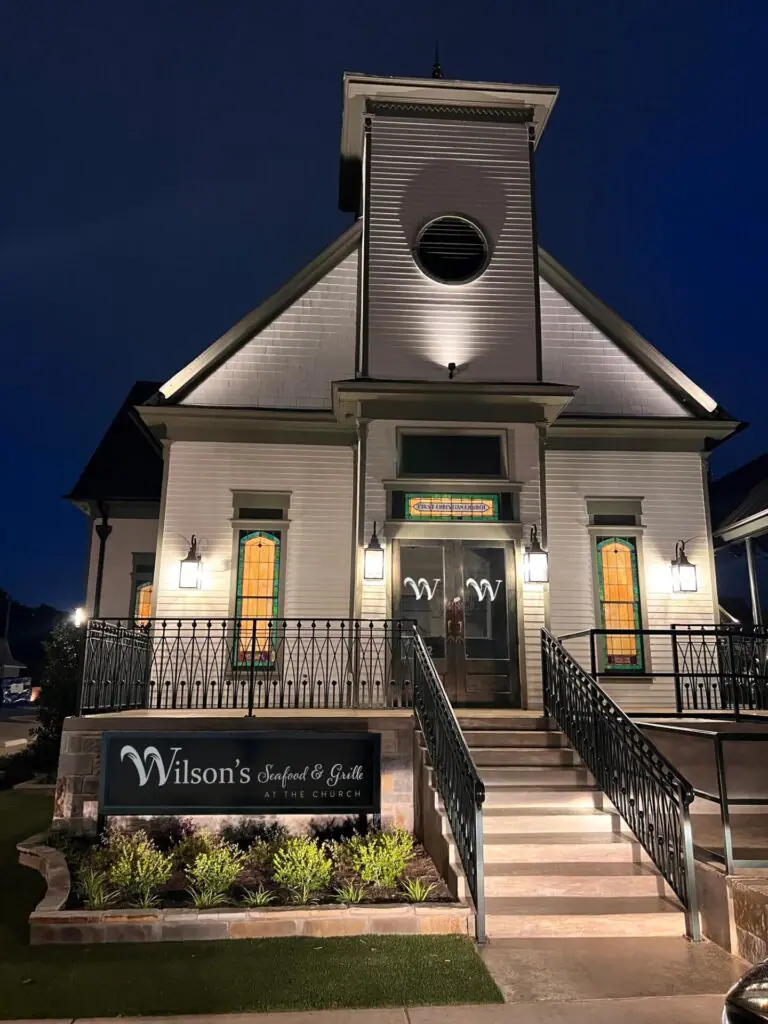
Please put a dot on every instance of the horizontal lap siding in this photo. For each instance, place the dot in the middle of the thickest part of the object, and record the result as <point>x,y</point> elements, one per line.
<point>574,351</point>
<point>526,470</point>
<point>128,536</point>
<point>292,362</point>
<point>416,326</point>
<point>671,486</point>
<point>317,544</point>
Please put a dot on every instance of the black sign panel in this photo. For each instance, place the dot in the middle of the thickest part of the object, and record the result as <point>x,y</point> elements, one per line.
<point>240,773</point>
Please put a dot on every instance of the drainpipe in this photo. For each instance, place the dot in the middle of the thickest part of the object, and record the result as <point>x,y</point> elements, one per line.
<point>103,530</point>
<point>754,593</point>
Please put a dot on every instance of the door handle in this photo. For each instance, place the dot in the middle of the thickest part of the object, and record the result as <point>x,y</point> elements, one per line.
<point>449,622</point>
<point>459,620</point>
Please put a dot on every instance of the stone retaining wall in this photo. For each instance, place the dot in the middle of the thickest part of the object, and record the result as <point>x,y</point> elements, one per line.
<point>76,802</point>
<point>50,924</point>
<point>749,929</point>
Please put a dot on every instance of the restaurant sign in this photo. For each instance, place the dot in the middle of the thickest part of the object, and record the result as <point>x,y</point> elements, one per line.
<point>457,507</point>
<point>240,773</point>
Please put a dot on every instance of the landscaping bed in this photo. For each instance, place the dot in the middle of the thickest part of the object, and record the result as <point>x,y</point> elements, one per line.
<point>168,881</point>
<point>211,977</point>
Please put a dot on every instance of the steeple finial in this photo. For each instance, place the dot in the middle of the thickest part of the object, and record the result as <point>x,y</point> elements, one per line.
<point>437,71</point>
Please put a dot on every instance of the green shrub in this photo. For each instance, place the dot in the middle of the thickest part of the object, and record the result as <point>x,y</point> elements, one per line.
<point>60,683</point>
<point>260,897</point>
<point>344,852</point>
<point>93,888</point>
<point>348,892</point>
<point>189,848</point>
<point>303,867</point>
<point>259,855</point>
<point>136,868</point>
<point>381,857</point>
<point>248,831</point>
<point>416,890</point>
<point>215,871</point>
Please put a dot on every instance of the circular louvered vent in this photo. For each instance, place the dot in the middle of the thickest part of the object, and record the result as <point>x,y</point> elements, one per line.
<point>452,250</point>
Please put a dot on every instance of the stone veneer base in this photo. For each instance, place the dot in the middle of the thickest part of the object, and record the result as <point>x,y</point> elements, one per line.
<point>50,924</point>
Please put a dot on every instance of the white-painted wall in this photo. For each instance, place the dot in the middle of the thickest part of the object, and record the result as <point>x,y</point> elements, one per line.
<point>574,351</point>
<point>317,541</point>
<point>421,169</point>
<point>672,491</point>
<point>291,363</point>
<point>128,536</point>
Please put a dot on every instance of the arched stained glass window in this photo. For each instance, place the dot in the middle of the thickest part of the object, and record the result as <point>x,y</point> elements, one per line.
<point>142,606</point>
<point>258,583</point>
<point>619,599</point>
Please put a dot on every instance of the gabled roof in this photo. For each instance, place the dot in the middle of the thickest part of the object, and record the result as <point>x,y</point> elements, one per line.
<point>739,501</point>
<point>625,337</point>
<point>193,373</point>
<point>128,463</point>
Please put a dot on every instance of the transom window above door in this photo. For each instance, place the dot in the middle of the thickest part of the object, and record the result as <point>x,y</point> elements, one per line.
<point>458,455</point>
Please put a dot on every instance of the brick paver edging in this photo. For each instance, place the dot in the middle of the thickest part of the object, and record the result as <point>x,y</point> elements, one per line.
<point>49,923</point>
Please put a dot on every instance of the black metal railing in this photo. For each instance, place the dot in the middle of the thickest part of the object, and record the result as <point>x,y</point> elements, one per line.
<point>719,668</point>
<point>648,792</point>
<point>457,780</point>
<point>247,664</point>
<point>736,791</point>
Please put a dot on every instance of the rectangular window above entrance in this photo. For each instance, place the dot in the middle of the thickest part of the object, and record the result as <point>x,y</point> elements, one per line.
<point>459,455</point>
<point>452,507</point>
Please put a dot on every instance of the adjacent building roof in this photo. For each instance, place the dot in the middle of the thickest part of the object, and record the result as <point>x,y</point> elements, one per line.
<point>128,463</point>
<point>739,501</point>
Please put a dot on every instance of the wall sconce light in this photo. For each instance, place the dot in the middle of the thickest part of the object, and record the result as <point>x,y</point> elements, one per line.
<point>373,565</point>
<point>535,561</point>
<point>684,579</point>
<point>451,371</point>
<point>79,617</point>
<point>191,568</point>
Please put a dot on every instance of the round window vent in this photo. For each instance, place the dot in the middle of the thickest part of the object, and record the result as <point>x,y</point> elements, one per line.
<point>452,250</point>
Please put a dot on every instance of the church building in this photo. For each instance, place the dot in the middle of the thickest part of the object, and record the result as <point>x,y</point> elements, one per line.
<point>432,422</point>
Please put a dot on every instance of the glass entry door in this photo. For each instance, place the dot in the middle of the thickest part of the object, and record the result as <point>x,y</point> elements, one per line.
<point>461,594</point>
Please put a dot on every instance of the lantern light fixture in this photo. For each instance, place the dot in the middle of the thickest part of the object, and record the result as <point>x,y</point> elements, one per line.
<point>684,580</point>
<point>79,617</point>
<point>373,564</point>
<point>535,561</point>
<point>191,568</point>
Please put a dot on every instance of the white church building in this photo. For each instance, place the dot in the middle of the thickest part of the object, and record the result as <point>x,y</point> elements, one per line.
<point>433,421</point>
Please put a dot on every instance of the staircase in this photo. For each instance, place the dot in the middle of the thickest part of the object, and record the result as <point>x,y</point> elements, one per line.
<point>559,861</point>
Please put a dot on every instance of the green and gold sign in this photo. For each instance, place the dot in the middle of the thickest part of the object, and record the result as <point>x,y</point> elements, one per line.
<point>453,507</point>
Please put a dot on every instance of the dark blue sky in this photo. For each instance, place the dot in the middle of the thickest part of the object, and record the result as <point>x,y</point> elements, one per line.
<point>166,165</point>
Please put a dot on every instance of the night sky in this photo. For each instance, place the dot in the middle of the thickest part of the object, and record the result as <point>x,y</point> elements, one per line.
<point>165,166</point>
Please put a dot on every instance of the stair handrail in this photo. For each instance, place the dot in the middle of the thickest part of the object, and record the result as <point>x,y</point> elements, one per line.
<point>456,776</point>
<point>649,793</point>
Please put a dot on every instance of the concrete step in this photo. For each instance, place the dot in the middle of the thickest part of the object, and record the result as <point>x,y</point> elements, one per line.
<point>529,777</point>
<point>576,821</point>
<point>552,880</point>
<point>554,798</point>
<point>479,738</point>
<point>553,847</point>
<point>573,917</point>
<point>530,757</point>
<point>502,720</point>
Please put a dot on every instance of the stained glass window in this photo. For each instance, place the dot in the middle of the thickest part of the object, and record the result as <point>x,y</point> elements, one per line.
<point>258,582</point>
<point>142,606</point>
<point>452,507</point>
<point>619,598</point>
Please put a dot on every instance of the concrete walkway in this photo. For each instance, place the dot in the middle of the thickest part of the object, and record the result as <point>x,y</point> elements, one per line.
<point>703,1009</point>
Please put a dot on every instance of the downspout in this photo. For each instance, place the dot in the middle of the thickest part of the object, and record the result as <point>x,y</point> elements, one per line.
<point>103,530</point>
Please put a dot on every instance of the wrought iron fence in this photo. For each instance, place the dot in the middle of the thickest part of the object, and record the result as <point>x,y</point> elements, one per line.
<point>649,793</point>
<point>715,669</point>
<point>458,782</point>
<point>246,664</point>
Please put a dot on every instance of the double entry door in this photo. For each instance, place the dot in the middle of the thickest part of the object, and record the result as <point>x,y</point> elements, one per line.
<point>461,594</point>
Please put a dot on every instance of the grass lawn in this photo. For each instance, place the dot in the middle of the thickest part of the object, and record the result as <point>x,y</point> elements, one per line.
<point>210,977</point>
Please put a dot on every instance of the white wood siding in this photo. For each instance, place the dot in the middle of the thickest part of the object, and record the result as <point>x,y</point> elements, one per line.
<point>128,536</point>
<point>671,487</point>
<point>291,363</point>
<point>574,351</point>
<point>416,326</point>
<point>316,544</point>
<point>526,469</point>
